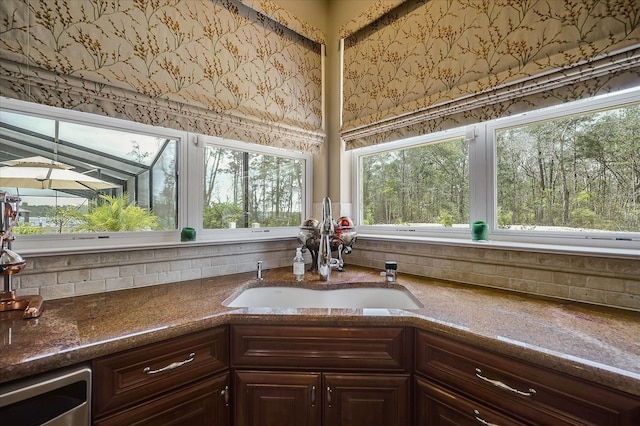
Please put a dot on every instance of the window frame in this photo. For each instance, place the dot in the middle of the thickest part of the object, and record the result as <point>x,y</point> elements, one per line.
<point>483,181</point>
<point>189,203</point>
<point>244,234</point>
<point>358,153</point>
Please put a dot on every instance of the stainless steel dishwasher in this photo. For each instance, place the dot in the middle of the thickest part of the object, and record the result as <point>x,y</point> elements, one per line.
<point>59,398</point>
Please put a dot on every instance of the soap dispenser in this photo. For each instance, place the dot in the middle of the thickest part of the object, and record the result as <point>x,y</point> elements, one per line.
<point>298,265</point>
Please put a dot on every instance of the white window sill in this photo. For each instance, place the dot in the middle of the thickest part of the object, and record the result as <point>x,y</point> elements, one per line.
<point>625,249</point>
<point>86,244</point>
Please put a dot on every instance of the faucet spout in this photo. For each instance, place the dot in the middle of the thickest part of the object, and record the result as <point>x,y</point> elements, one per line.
<point>326,234</point>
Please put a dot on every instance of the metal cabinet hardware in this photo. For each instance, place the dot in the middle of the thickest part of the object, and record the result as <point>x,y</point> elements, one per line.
<point>503,386</point>
<point>225,394</point>
<point>480,420</point>
<point>313,396</point>
<point>172,366</point>
<point>329,396</point>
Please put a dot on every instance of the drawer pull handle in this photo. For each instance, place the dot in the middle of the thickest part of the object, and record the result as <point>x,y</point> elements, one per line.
<point>313,396</point>
<point>329,391</point>
<point>225,394</point>
<point>172,366</point>
<point>503,386</point>
<point>480,420</point>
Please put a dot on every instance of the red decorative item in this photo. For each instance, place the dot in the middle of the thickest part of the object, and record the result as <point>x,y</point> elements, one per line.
<point>345,222</point>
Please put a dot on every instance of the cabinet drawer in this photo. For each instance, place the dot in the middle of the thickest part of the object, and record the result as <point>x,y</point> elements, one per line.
<point>556,398</point>
<point>128,377</point>
<point>335,348</point>
<point>201,403</point>
<point>439,406</point>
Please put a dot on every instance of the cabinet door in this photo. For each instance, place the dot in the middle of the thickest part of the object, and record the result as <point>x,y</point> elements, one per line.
<point>366,400</point>
<point>436,406</point>
<point>277,399</point>
<point>202,403</point>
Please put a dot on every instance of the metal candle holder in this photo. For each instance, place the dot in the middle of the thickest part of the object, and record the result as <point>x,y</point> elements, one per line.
<point>341,241</point>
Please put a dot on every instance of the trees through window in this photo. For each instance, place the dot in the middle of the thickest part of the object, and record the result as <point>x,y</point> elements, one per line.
<point>92,174</point>
<point>570,170</point>
<point>424,185</point>
<point>575,173</point>
<point>249,190</point>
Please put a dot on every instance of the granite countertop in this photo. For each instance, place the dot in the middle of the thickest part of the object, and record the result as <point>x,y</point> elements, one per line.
<point>596,343</point>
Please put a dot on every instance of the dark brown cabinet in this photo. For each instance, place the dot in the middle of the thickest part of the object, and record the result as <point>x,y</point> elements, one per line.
<point>267,375</point>
<point>438,406</point>
<point>201,403</point>
<point>315,399</point>
<point>460,381</point>
<point>278,399</point>
<point>359,376</point>
<point>175,382</point>
<point>366,399</point>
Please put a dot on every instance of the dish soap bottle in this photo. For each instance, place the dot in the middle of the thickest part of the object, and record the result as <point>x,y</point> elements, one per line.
<point>298,265</point>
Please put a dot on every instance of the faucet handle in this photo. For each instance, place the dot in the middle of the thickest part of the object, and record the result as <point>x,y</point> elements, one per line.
<point>260,270</point>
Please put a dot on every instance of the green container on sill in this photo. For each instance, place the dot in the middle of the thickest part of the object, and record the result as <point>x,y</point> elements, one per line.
<point>188,234</point>
<point>479,231</point>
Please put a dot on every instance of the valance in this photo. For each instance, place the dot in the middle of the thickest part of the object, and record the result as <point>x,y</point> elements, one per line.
<point>72,93</point>
<point>438,65</point>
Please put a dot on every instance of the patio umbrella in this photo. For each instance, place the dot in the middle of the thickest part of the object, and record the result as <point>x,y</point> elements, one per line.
<point>37,161</point>
<point>34,173</point>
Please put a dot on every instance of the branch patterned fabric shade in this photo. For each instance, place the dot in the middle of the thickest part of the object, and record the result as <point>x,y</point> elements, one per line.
<point>434,65</point>
<point>222,68</point>
<point>211,67</point>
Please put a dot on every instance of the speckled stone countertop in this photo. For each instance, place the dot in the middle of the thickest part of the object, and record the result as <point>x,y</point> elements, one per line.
<point>596,343</point>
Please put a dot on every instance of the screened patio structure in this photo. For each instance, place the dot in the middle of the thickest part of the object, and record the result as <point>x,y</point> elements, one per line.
<point>129,161</point>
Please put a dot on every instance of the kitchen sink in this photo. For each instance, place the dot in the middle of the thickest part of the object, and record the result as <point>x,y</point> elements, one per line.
<point>282,296</point>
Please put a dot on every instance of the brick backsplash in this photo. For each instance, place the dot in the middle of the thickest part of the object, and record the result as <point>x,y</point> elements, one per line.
<point>54,277</point>
<point>599,280</point>
<point>592,279</point>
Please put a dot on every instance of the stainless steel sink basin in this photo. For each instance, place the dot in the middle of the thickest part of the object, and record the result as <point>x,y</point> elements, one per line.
<point>281,296</point>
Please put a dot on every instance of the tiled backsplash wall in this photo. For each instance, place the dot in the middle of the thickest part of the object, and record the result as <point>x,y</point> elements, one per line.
<point>600,280</point>
<point>60,276</point>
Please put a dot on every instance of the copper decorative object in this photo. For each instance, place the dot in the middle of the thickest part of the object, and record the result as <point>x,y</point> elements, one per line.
<point>12,263</point>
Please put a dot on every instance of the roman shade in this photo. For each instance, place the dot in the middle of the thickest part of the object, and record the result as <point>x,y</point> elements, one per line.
<point>211,67</point>
<point>286,19</point>
<point>426,66</point>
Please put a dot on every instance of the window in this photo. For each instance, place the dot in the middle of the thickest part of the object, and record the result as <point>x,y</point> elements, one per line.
<point>569,174</point>
<point>126,184</point>
<point>75,178</point>
<point>422,185</point>
<point>253,187</point>
<point>576,173</point>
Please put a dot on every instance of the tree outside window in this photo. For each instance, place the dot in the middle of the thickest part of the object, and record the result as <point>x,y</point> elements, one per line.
<point>244,189</point>
<point>426,185</point>
<point>578,173</point>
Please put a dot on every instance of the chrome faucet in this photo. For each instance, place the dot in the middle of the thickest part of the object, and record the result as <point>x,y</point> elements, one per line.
<point>326,235</point>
